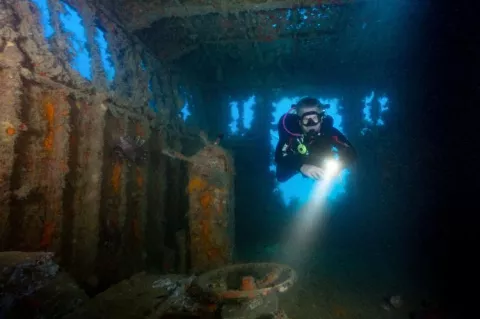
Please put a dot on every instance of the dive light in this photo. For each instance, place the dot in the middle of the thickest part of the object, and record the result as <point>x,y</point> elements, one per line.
<point>331,167</point>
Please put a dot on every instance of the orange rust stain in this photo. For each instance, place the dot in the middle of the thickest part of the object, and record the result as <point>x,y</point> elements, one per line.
<point>116,175</point>
<point>50,116</point>
<point>196,184</point>
<point>49,113</point>
<point>48,142</point>
<point>139,177</point>
<point>48,230</point>
<point>206,199</point>
<point>10,131</point>
<point>248,283</point>
<point>205,233</point>
<point>204,228</point>
<point>234,294</point>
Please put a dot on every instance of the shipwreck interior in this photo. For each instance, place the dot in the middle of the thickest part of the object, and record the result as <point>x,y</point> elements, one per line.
<point>137,139</point>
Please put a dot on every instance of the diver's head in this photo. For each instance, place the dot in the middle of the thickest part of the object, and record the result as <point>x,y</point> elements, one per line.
<point>311,113</point>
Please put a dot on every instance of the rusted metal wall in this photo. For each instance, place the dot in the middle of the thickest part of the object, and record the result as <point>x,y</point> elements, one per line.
<point>61,188</point>
<point>38,176</point>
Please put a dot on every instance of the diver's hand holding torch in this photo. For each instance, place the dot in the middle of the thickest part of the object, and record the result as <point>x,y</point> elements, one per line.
<point>329,168</point>
<point>312,171</point>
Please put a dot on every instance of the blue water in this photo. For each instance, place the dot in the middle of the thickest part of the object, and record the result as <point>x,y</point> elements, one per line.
<point>44,17</point>
<point>105,54</point>
<point>72,23</point>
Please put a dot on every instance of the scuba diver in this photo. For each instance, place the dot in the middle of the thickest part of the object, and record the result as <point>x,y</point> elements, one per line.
<point>306,139</point>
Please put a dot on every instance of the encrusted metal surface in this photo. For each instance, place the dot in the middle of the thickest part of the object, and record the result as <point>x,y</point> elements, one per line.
<point>22,274</point>
<point>57,190</point>
<point>285,42</point>
<point>141,14</point>
<point>228,283</point>
<point>211,206</point>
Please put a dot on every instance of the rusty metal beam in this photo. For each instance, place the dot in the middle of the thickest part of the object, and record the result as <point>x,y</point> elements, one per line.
<point>140,16</point>
<point>175,51</point>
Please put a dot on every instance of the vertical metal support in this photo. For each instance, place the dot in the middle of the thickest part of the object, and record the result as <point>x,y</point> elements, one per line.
<point>10,88</point>
<point>113,208</point>
<point>40,172</point>
<point>87,148</point>
<point>133,249</point>
<point>211,210</point>
<point>155,228</point>
<point>56,113</point>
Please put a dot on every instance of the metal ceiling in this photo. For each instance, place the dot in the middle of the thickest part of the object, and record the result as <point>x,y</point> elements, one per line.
<point>140,14</point>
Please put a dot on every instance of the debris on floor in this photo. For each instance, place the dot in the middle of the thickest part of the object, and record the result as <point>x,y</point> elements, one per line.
<point>32,285</point>
<point>137,297</point>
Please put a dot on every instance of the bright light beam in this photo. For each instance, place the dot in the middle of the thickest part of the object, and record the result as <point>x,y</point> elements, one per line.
<point>308,226</point>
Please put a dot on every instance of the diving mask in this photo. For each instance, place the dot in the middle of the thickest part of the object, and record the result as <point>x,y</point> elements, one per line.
<point>311,118</point>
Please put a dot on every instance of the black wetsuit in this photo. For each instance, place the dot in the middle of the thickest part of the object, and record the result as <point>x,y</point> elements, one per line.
<point>287,156</point>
